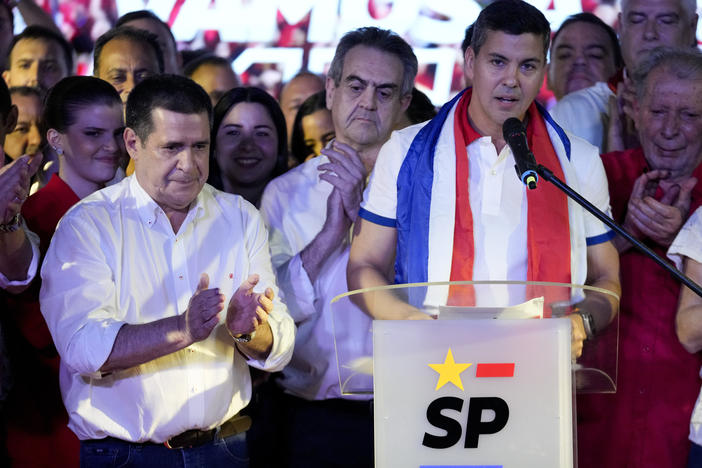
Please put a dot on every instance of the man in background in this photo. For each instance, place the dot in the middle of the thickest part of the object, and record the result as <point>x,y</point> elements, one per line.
<point>125,56</point>
<point>603,115</point>
<point>39,57</point>
<point>149,22</point>
<point>309,211</point>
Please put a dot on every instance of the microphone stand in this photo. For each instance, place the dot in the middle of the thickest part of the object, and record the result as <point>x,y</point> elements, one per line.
<point>548,175</point>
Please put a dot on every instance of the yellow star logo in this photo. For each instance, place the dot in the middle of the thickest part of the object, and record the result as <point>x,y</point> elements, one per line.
<point>449,371</point>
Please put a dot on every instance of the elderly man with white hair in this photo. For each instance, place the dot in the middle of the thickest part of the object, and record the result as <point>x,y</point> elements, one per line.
<point>602,114</point>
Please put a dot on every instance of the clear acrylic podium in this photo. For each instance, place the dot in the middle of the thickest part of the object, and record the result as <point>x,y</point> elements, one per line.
<point>485,381</point>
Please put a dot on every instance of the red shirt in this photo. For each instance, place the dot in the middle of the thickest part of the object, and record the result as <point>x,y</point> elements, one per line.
<point>646,423</point>
<point>37,432</point>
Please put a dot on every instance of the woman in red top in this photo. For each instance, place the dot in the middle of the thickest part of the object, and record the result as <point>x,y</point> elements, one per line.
<point>83,122</point>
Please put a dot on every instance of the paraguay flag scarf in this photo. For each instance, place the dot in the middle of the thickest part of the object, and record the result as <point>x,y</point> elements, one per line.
<point>548,233</point>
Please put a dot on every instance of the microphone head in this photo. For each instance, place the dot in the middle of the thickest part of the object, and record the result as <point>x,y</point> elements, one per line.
<point>511,127</point>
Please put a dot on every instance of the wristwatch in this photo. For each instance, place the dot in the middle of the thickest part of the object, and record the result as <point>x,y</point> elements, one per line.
<point>588,324</point>
<point>12,226</point>
<point>243,338</point>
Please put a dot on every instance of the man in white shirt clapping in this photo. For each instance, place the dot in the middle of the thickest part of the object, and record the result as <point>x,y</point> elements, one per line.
<point>159,293</point>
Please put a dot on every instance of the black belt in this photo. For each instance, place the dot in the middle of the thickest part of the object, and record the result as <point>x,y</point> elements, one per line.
<point>195,437</point>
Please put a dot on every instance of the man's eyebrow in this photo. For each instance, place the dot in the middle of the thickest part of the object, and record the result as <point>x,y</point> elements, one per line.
<point>669,14</point>
<point>366,82</point>
<point>387,86</point>
<point>596,46</point>
<point>495,55</point>
<point>238,125</point>
<point>532,59</point>
<point>356,78</point>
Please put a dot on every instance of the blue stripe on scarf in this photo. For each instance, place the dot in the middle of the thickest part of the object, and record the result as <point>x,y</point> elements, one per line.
<point>414,186</point>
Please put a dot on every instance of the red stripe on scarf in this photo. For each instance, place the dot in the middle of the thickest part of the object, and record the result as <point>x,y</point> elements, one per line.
<point>548,226</point>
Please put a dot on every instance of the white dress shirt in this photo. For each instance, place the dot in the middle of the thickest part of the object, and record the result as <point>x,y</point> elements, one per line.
<point>115,259</point>
<point>15,286</point>
<point>688,243</point>
<point>294,207</point>
<point>499,205</point>
<point>585,113</point>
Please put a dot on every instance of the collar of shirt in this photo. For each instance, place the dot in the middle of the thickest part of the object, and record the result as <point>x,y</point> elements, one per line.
<point>149,211</point>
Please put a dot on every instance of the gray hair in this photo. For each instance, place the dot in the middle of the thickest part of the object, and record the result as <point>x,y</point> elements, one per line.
<point>383,40</point>
<point>681,63</point>
<point>689,7</point>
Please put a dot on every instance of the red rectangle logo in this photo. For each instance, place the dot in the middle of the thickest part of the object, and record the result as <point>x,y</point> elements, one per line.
<point>495,370</point>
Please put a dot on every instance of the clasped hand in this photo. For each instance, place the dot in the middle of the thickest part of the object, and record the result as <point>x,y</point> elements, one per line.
<point>246,310</point>
<point>657,220</point>
<point>15,179</point>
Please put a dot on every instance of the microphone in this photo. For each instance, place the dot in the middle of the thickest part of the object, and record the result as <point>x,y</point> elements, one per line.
<point>515,135</point>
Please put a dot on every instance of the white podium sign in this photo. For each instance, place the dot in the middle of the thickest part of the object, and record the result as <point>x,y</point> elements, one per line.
<point>473,393</point>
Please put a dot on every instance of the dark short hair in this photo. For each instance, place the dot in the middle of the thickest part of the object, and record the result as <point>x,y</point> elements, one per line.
<point>138,36</point>
<point>383,40</point>
<point>148,15</point>
<point>5,101</point>
<point>421,108</point>
<point>513,17</point>
<point>205,59</point>
<point>298,147</point>
<point>248,94</point>
<point>174,93</point>
<point>35,32</point>
<point>594,20</point>
<point>468,36</point>
<point>72,94</point>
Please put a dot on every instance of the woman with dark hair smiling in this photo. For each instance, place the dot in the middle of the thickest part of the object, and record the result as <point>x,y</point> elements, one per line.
<point>249,143</point>
<point>82,120</point>
<point>312,129</point>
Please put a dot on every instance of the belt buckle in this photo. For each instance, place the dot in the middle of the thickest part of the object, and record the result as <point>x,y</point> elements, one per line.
<point>194,437</point>
<point>191,438</point>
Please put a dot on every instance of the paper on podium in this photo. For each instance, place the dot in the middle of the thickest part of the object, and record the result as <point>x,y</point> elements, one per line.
<point>532,309</point>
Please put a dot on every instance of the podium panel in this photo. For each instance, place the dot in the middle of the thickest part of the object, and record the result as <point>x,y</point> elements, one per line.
<point>478,392</point>
<point>482,380</point>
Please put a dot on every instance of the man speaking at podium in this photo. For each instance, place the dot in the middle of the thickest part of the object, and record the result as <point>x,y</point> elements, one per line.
<point>444,201</point>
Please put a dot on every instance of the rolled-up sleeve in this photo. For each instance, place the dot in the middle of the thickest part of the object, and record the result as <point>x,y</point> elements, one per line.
<point>78,297</point>
<point>379,203</point>
<point>280,321</point>
<point>17,286</point>
<point>298,291</point>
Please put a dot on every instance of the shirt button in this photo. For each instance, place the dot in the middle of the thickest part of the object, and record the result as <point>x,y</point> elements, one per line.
<point>646,349</point>
<point>493,172</point>
<point>642,391</point>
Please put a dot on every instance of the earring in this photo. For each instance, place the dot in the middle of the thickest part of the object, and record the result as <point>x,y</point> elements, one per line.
<point>59,151</point>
